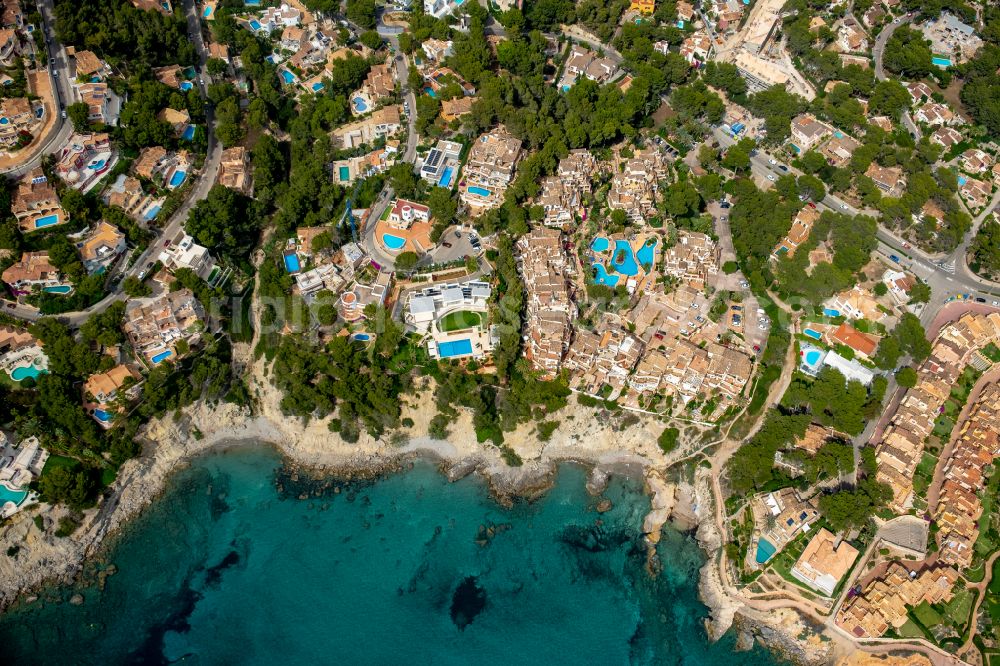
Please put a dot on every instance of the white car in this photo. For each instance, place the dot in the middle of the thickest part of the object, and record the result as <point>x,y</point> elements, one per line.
<point>844,206</point>
<point>772,161</point>
<point>770,177</point>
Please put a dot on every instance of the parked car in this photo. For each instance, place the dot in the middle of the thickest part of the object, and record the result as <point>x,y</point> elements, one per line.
<point>783,167</point>
<point>772,161</point>
<point>446,244</point>
<point>894,258</point>
<point>756,348</point>
<point>980,299</point>
<point>770,176</point>
<point>725,204</point>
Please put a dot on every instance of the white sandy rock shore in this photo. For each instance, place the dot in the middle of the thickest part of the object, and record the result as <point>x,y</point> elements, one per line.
<point>169,443</point>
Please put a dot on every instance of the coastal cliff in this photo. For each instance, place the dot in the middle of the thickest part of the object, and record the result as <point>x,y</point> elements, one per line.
<point>171,441</point>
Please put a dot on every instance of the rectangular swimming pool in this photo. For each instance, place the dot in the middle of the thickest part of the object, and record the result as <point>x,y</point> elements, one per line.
<point>292,264</point>
<point>46,221</point>
<point>815,335</point>
<point>481,191</point>
<point>454,348</point>
<point>446,177</point>
<point>162,356</point>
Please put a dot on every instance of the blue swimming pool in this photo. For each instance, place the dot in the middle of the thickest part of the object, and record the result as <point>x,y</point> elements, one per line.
<point>271,59</point>
<point>177,178</point>
<point>255,24</point>
<point>161,356</point>
<point>830,312</point>
<point>430,91</point>
<point>8,495</point>
<point>152,213</point>
<point>645,254</point>
<point>393,242</point>
<point>287,76</point>
<point>251,3</point>
<point>941,62</point>
<point>207,12</point>
<point>97,165</point>
<point>102,416</point>
<point>603,277</point>
<point>566,87</point>
<point>765,550</point>
<point>46,221</point>
<point>345,173</point>
<point>292,264</point>
<point>186,85</point>
<point>59,289</point>
<point>600,244</point>
<point>25,371</point>
<point>623,260</point>
<point>359,105</point>
<point>962,180</point>
<point>316,87</point>
<point>453,348</point>
<point>812,357</point>
<point>446,177</point>
<point>362,337</point>
<point>189,131</point>
<point>815,335</point>
<point>481,191</point>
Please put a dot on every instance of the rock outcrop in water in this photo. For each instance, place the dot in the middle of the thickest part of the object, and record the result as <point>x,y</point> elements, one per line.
<point>468,601</point>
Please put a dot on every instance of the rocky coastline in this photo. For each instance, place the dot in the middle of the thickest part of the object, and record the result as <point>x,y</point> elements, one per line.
<point>311,452</point>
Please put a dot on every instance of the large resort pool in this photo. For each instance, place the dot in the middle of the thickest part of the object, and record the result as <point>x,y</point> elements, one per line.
<point>623,260</point>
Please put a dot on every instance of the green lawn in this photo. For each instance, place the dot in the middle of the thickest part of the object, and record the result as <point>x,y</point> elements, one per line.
<point>910,630</point>
<point>55,461</point>
<point>960,606</point>
<point>927,615</point>
<point>457,321</point>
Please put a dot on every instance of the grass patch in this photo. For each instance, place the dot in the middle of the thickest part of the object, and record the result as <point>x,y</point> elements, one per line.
<point>926,615</point>
<point>460,320</point>
<point>910,630</point>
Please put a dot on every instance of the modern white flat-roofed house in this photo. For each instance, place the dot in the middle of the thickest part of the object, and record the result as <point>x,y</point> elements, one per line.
<point>183,252</point>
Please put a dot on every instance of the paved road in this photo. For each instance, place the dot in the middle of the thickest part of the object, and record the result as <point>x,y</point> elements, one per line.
<point>878,50</point>
<point>176,222</point>
<point>942,282</point>
<point>62,93</point>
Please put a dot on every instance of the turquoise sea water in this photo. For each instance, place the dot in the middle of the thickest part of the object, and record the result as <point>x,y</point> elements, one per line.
<point>225,569</point>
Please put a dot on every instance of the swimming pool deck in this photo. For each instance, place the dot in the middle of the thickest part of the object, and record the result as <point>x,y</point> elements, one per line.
<point>416,239</point>
<point>639,277</point>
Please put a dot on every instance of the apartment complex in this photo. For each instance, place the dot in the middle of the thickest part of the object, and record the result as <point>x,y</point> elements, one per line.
<point>634,188</point>
<point>902,443</point>
<point>884,601</point>
<point>546,269</point>
<point>489,169</point>
<point>564,194</point>
<point>693,259</point>
<point>959,506</point>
